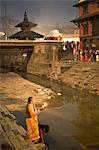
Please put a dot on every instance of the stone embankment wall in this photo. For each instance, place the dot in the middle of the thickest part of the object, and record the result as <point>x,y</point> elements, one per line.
<point>9,59</point>
<point>12,135</point>
<point>35,57</point>
<point>82,75</point>
<point>43,58</point>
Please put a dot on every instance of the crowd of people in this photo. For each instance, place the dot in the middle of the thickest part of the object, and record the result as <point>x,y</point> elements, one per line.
<point>89,54</point>
<point>86,54</point>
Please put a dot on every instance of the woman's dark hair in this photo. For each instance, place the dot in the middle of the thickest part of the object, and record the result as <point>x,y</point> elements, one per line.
<point>46,128</point>
<point>29,99</point>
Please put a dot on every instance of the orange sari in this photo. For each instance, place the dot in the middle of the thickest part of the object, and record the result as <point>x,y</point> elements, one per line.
<point>32,124</point>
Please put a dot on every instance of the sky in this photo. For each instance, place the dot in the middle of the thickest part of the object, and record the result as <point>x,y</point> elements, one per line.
<point>42,12</point>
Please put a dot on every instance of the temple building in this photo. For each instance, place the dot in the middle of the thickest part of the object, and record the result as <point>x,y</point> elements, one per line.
<point>26,33</point>
<point>88,23</point>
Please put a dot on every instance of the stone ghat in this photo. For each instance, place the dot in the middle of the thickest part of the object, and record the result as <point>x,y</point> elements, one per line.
<point>12,135</point>
<point>82,75</point>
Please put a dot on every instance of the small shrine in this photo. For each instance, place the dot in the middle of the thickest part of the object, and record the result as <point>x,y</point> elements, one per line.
<point>54,35</point>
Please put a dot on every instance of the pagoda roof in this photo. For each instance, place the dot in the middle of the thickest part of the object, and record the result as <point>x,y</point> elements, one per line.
<point>25,22</point>
<point>23,35</point>
<point>86,17</point>
<point>84,2</point>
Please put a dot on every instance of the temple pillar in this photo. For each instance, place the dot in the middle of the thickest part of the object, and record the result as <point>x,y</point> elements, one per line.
<point>56,68</point>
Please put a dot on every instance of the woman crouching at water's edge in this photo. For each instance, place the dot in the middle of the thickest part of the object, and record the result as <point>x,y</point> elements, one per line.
<point>32,120</point>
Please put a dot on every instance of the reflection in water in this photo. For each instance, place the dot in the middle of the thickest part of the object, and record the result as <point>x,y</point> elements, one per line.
<point>88,120</point>
<point>88,109</point>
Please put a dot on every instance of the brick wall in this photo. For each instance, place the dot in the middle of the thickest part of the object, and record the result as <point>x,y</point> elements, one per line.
<point>92,8</point>
<point>89,28</point>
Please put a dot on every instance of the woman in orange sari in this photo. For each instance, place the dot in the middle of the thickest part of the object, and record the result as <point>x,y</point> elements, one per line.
<point>32,120</point>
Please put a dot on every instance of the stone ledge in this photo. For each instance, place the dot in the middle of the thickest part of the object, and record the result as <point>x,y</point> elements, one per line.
<point>12,135</point>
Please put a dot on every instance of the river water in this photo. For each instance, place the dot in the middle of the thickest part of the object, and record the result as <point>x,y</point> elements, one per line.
<point>73,117</point>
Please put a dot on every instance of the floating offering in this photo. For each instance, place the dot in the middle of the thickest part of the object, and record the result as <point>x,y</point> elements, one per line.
<point>49,97</point>
<point>41,93</point>
<point>59,94</point>
<point>39,90</point>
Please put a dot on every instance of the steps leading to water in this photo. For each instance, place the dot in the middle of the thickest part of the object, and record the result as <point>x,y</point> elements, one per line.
<point>84,75</point>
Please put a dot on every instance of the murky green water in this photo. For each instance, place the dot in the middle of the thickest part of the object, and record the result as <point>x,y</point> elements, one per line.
<point>86,110</point>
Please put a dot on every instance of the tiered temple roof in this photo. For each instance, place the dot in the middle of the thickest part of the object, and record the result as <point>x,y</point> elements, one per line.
<point>26,32</point>
<point>87,16</point>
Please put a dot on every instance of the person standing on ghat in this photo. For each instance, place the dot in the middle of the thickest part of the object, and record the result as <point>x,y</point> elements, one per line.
<point>32,120</point>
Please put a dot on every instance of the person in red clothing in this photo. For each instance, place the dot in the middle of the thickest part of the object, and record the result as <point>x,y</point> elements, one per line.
<point>42,130</point>
<point>83,55</point>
